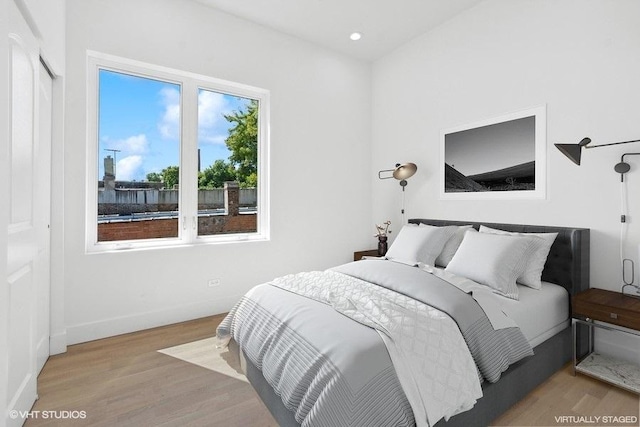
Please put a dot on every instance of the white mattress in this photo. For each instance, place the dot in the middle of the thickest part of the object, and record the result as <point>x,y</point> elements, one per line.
<point>540,314</point>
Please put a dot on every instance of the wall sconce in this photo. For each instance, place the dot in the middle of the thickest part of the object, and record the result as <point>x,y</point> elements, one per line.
<point>574,152</point>
<point>629,282</point>
<point>401,172</point>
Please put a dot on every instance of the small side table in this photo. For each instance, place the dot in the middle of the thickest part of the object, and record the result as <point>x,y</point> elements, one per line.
<point>357,256</point>
<point>611,311</point>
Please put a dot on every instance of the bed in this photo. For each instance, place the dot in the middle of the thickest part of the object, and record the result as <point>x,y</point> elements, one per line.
<point>567,265</point>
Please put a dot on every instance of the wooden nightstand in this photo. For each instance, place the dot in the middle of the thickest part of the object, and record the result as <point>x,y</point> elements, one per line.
<point>357,256</point>
<point>612,311</point>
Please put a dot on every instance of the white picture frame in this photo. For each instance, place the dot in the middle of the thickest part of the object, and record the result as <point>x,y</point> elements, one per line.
<point>499,158</point>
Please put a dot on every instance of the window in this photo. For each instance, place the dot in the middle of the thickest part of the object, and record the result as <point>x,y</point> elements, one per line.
<point>175,158</point>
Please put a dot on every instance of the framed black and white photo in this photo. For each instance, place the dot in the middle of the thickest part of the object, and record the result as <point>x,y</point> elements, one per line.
<point>499,158</point>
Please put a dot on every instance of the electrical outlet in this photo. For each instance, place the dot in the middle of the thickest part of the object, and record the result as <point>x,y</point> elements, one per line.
<point>214,282</point>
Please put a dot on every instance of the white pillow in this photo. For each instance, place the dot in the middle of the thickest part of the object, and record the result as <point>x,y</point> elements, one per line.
<point>452,245</point>
<point>419,244</point>
<point>492,259</point>
<point>532,275</point>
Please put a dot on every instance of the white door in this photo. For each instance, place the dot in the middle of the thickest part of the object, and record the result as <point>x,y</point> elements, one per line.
<point>42,219</point>
<point>22,239</point>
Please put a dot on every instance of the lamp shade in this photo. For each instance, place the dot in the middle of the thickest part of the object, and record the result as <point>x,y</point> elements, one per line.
<point>404,171</point>
<point>573,151</point>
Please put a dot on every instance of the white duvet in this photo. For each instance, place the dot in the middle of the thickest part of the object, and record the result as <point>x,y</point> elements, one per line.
<point>432,360</point>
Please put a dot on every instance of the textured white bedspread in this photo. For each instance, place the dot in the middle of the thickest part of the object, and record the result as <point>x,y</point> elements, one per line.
<point>432,360</point>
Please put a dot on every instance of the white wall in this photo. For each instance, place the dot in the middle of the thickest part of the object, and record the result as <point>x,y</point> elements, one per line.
<point>578,57</point>
<point>46,18</point>
<point>4,213</point>
<point>320,127</point>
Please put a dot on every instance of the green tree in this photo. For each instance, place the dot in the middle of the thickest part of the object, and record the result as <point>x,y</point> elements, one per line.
<point>243,144</point>
<point>251,181</point>
<point>171,176</point>
<point>154,177</point>
<point>215,175</point>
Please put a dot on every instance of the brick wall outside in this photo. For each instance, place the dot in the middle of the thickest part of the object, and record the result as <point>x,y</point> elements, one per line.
<point>168,227</point>
<point>135,230</point>
<point>243,223</point>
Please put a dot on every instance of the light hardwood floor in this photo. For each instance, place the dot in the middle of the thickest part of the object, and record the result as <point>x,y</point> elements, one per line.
<point>124,381</point>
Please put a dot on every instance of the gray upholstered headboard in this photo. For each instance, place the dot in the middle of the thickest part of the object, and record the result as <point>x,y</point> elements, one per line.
<point>568,261</point>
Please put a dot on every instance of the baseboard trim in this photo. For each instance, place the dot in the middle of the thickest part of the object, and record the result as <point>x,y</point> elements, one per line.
<point>22,401</point>
<point>91,331</point>
<point>58,343</point>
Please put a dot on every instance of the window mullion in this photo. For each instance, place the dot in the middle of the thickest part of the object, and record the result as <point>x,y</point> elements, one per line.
<point>189,162</point>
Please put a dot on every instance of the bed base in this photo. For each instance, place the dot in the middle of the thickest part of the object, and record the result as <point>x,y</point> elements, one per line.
<point>273,402</point>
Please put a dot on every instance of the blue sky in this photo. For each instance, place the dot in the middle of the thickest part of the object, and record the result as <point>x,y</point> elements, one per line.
<point>141,118</point>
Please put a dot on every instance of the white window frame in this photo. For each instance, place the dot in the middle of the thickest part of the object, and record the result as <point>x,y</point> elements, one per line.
<point>189,84</point>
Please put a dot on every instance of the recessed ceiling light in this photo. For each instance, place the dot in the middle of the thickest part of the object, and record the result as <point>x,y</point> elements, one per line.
<point>355,36</point>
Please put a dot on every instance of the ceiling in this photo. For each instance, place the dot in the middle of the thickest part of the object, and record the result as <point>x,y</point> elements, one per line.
<point>384,24</point>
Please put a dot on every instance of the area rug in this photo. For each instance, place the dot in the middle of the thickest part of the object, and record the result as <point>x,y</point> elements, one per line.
<point>204,353</point>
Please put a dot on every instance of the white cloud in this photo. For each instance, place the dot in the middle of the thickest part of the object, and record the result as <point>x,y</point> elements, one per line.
<point>169,125</point>
<point>211,109</point>
<point>213,139</point>
<point>136,144</point>
<point>129,168</point>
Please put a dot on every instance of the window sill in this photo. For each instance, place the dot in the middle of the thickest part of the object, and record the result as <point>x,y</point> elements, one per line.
<point>163,244</point>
